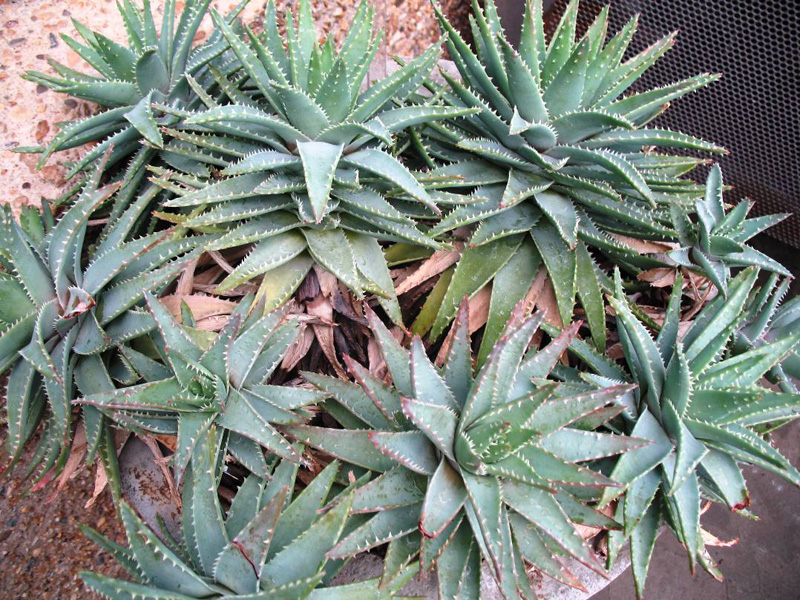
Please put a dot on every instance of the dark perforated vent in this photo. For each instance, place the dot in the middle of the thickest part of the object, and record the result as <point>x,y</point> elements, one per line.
<point>754,111</point>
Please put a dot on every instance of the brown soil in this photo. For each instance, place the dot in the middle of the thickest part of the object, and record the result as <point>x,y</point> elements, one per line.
<point>41,546</point>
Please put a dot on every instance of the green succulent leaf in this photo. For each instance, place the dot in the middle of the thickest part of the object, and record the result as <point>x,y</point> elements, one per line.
<point>267,546</point>
<point>467,457</point>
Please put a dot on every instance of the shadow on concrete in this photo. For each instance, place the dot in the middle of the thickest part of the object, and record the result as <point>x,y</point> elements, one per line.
<point>765,565</point>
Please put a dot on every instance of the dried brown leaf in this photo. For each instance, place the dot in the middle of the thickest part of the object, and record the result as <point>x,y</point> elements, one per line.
<point>202,307</point>
<point>299,349</point>
<point>479,309</point>
<point>438,262</point>
<point>185,284</point>
<point>478,315</point>
<point>709,539</point>
<point>643,246</point>
<point>328,284</point>
<point>212,323</point>
<point>615,352</point>
<point>100,483</point>
<point>221,261</point>
<point>101,477</point>
<point>535,289</point>
<point>377,366</point>
<point>546,301</point>
<point>658,277</point>
<point>586,532</point>
<point>76,454</point>
<point>208,276</point>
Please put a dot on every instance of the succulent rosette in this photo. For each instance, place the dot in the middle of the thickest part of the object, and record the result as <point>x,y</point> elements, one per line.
<point>494,466</point>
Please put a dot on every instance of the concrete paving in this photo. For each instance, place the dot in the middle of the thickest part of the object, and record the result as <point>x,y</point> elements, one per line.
<point>764,565</point>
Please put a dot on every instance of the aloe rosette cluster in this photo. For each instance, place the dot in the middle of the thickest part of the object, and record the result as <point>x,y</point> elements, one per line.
<point>271,154</point>
<point>158,65</point>
<point>269,544</point>
<point>67,309</point>
<point>555,160</point>
<point>305,156</point>
<point>472,467</point>
<point>701,409</point>
<point>717,241</point>
<point>205,380</point>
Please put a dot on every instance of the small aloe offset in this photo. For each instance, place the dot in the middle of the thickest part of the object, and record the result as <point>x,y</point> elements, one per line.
<point>271,543</point>
<point>156,66</point>
<point>701,407</point>
<point>66,305</point>
<point>717,241</point>
<point>766,320</point>
<point>198,381</point>
<point>495,466</point>
<point>305,157</point>
<point>554,161</point>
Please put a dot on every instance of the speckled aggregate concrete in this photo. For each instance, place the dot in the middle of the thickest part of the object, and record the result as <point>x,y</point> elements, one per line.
<point>29,35</point>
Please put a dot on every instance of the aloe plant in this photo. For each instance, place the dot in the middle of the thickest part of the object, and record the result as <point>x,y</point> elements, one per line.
<point>155,66</point>
<point>205,380</point>
<point>717,241</point>
<point>66,307</point>
<point>469,467</point>
<point>270,544</point>
<point>271,154</point>
<point>768,318</point>
<point>701,409</point>
<point>305,158</point>
<point>554,161</point>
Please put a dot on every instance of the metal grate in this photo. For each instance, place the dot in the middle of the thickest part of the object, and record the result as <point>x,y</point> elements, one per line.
<point>753,110</point>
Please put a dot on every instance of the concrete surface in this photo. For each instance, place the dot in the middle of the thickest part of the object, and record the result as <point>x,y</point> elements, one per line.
<point>29,114</point>
<point>764,565</point>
